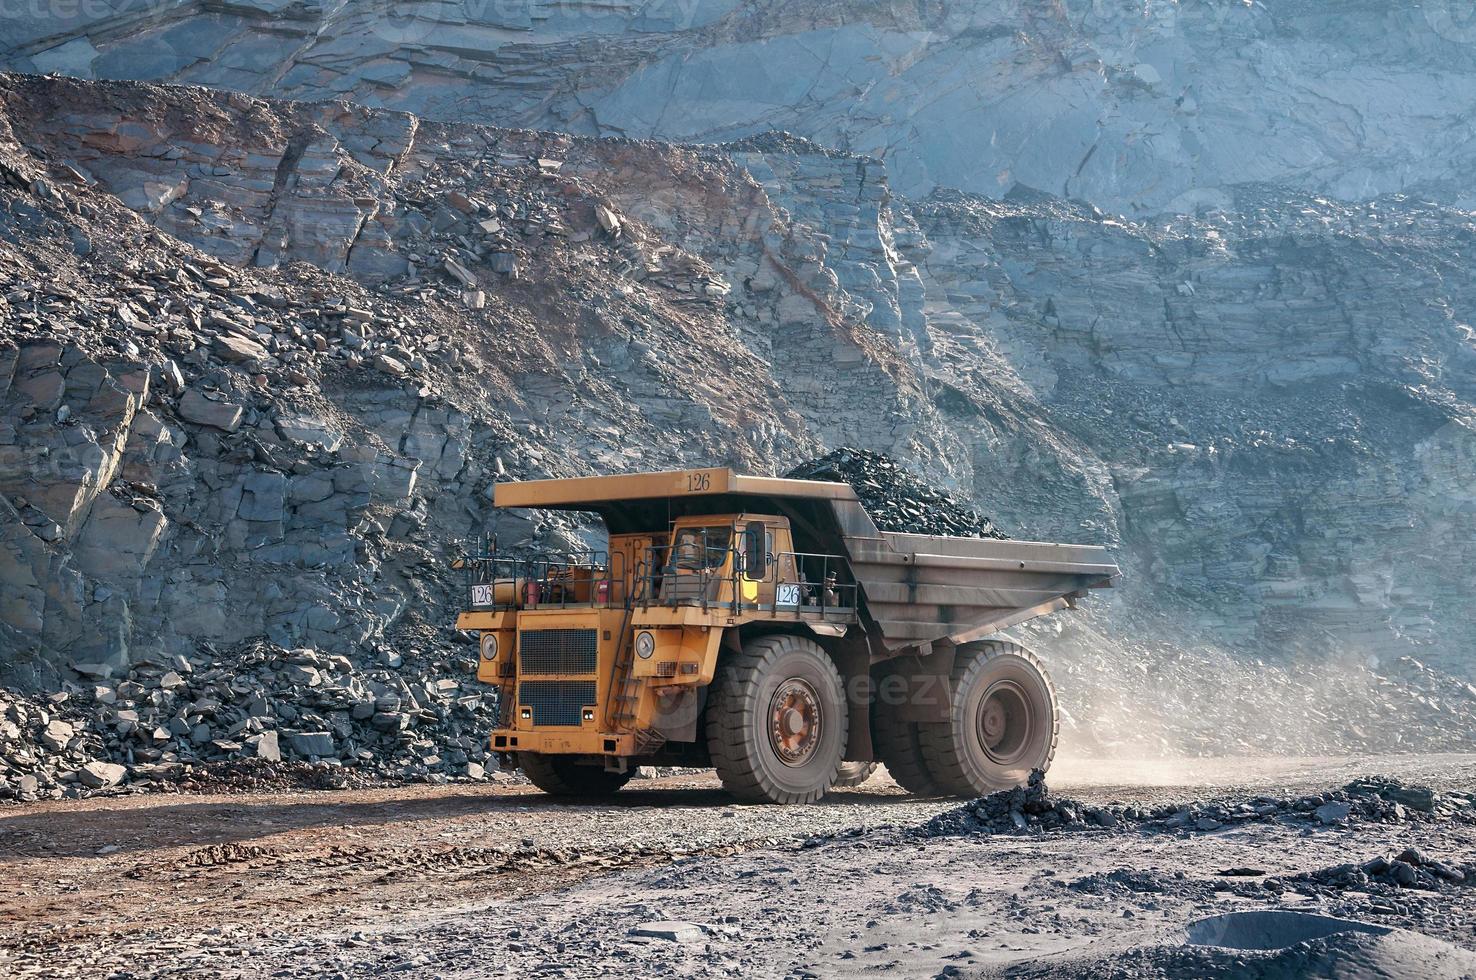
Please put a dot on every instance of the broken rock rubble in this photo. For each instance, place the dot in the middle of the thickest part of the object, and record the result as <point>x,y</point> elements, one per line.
<point>161,723</point>
<point>1034,809</point>
<point>1410,868</point>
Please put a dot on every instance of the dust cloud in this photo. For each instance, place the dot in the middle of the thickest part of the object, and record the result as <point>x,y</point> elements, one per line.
<point>1165,703</point>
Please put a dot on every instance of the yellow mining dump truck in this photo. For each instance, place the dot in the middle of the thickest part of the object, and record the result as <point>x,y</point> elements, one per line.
<point>767,628</point>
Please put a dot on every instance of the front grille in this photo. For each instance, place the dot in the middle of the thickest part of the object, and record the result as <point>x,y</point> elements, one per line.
<point>556,702</point>
<point>558,651</point>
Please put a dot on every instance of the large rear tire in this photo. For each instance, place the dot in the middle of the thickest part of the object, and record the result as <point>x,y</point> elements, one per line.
<point>560,775</point>
<point>1004,721</point>
<point>896,744</point>
<point>777,721</point>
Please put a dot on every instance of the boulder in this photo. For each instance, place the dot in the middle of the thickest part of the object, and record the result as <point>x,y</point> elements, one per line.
<point>101,775</point>
<point>302,674</point>
<point>673,931</point>
<point>1331,813</point>
<point>235,349</point>
<point>196,407</point>
<point>56,735</point>
<point>459,272</point>
<point>266,746</point>
<point>608,219</point>
<point>390,365</point>
<point>318,744</point>
<point>98,671</point>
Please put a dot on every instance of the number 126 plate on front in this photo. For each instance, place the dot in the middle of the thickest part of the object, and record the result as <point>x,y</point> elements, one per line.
<point>481,595</point>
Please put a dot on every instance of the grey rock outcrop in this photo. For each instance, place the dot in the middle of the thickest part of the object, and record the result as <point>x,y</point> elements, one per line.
<point>1133,106</point>
<point>1076,375</point>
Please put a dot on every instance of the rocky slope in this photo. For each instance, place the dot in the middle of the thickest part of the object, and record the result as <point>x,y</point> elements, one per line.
<point>263,361</point>
<point>260,367</point>
<point>200,452</point>
<point>1082,375</point>
<point>1136,106</point>
<point>1259,386</point>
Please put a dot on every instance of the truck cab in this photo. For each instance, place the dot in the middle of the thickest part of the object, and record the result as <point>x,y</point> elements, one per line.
<point>601,654</point>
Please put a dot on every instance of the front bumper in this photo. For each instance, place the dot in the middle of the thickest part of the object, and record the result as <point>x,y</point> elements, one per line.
<point>563,742</point>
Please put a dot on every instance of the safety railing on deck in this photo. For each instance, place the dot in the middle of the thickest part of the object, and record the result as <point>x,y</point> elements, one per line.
<point>701,568</point>
<point>545,580</point>
<point>821,584</point>
<point>807,585</point>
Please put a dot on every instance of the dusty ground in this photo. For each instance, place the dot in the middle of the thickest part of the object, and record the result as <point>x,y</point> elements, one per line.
<point>462,881</point>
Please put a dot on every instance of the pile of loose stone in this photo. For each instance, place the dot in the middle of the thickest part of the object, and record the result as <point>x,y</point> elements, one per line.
<point>1034,809</point>
<point>500,215</point>
<point>198,311</point>
<point>1410,868</point>
<point>199,719</point>
<point>895,498</point>
<point>1031,808</point>
<point>1411,888</point>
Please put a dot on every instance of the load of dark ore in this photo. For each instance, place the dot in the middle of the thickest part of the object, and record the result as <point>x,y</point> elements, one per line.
<point>895,498</point>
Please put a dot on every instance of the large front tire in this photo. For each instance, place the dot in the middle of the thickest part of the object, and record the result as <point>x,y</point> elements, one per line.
<point>777,721</point>
<point>1003,721</point>
<point>560,775</point>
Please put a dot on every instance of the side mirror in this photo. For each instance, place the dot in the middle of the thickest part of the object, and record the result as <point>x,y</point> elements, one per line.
<point>755,555</point>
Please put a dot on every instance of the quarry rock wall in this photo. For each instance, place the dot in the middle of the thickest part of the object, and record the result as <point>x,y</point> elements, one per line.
<point>1137,107</point>
<point>267,359</point>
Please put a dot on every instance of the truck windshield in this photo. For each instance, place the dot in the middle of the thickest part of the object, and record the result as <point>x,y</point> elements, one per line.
<point>697,548</point>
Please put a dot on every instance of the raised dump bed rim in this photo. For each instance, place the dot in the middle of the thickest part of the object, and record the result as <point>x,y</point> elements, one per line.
<point>978,573</point>
<point>585,491</point>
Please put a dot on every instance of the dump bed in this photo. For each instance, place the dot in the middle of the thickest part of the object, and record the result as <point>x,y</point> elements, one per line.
<point>916,588</point>
<point>921,588</point>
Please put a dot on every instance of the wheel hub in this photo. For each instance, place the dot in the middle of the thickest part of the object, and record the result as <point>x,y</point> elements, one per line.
<point>1004,722</point>
<point>794,721</point>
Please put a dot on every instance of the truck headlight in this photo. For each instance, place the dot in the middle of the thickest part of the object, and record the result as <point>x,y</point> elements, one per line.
<point>645,645</point>
<point>489,646</point>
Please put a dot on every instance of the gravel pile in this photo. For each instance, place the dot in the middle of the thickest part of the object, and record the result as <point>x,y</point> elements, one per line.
<point>895,498</point>
<point>260,715</point>
<point>1027,809</point>
<point>1410,868</point>
<point>1033,809</point>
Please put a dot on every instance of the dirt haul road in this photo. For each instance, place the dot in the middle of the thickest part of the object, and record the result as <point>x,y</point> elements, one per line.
<point>462,881</point>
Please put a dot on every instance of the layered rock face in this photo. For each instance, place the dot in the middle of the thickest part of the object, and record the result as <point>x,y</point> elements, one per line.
<point>1189,280</point>
<point>1287,434</point>
<point>262,397</point>
<point>201,451</point>
<point>1133,106</point>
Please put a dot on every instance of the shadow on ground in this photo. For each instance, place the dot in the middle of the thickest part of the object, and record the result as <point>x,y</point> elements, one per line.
<point>56,830</point>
